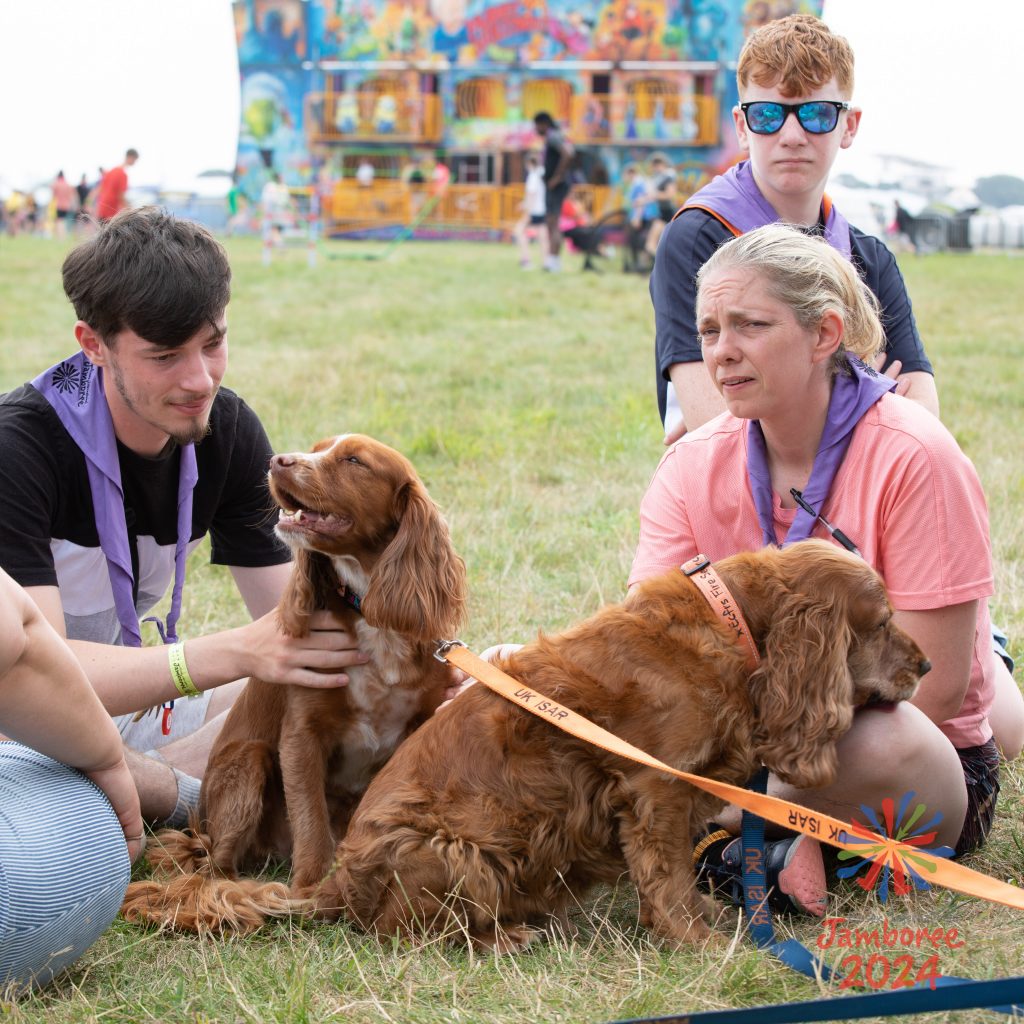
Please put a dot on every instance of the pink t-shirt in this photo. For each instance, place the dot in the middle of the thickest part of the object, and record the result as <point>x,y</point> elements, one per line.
<point>905,495</point>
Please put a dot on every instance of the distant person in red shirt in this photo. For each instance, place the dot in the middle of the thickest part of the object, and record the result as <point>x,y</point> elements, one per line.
<point>110,199</point>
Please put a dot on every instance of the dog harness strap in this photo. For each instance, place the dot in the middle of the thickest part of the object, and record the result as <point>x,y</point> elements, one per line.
<point>716,593</point>
<point>794,817</point>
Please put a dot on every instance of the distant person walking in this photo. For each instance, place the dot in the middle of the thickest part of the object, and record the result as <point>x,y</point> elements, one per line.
<point>903,228</point>
<point>534,216</point>
<point>84,190</point>
<point>110,199</point>
<point>558,153</point>
<point>65,202</point>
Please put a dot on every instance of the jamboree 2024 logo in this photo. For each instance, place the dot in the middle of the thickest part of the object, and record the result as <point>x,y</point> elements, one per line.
<point>890,956</point>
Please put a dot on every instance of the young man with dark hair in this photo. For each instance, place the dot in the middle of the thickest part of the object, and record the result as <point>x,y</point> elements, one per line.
<point>795,80</point>
<point>558,153</point>
<point>117,462</point>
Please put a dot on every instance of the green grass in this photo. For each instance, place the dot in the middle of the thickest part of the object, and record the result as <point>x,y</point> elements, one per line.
<point>527,404</point>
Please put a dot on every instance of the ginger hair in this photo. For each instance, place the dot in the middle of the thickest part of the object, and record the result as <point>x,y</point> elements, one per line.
<point>798,54</point>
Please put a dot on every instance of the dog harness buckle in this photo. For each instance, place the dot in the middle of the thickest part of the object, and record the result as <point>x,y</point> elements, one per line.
<point>696,564</point>
<point>444,646</point>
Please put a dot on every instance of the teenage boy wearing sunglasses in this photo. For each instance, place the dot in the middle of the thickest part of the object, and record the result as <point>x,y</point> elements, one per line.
<point>795,80</point>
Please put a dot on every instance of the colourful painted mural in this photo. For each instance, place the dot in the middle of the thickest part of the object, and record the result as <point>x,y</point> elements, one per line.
<point>329,83</point>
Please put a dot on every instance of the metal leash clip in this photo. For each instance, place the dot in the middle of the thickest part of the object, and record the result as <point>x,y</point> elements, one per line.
<point>444,646</point>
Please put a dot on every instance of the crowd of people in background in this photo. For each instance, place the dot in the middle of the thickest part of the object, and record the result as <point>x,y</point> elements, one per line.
<point>62,210</point>
<point>552,209</point>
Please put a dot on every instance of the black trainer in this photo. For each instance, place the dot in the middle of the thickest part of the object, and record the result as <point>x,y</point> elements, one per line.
<point>794,871</point>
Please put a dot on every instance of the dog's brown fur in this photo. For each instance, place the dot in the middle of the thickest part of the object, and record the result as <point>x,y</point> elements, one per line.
<point>488,821</point>
<point>291,762</point>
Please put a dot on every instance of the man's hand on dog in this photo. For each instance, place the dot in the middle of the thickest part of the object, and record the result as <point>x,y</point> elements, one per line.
<point>317,660</point>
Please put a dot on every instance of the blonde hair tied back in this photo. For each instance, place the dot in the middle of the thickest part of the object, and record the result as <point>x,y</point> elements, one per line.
<point>812,278</point>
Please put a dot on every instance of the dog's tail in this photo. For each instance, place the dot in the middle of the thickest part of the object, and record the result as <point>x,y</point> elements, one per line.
<point>187,893</point>
<point>200,903</point>
<point>171,853</point>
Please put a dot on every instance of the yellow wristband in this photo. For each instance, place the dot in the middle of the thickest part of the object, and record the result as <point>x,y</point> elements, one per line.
<point>179,671</point>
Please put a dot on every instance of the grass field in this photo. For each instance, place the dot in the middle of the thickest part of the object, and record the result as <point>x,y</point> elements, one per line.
<point>527,403</point>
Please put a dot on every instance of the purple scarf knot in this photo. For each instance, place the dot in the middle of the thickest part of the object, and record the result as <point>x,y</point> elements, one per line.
<point>735,197</point>
<point>74,389</point>
<point>852,396</point>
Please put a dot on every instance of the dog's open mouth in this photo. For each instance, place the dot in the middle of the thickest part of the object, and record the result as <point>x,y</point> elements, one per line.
<point>294,517</point>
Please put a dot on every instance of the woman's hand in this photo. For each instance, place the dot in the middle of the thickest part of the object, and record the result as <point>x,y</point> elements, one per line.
<point>902,386</point>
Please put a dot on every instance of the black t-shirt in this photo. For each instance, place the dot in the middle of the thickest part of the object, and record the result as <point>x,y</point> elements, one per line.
<point>694,235</point>
<point>49,536</point>
<point>554,147</point>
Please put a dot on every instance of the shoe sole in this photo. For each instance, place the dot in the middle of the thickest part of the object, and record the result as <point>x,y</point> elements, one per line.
<point>802,877</point>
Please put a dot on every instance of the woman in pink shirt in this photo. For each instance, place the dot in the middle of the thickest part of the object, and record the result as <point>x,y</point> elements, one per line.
<point>780,314</point>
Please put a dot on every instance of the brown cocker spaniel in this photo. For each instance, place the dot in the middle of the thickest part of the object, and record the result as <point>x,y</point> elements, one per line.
<point>291,762</point>
<point>488,821</point>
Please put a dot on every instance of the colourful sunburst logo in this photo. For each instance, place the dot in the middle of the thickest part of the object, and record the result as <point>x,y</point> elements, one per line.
<point>883,860</point>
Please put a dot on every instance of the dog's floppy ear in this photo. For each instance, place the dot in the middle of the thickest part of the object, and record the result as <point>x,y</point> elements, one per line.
<point>802,691</point>
<point>418,585</point>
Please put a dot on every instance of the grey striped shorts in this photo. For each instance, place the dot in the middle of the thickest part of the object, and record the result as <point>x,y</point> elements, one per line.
<point>64,866</point>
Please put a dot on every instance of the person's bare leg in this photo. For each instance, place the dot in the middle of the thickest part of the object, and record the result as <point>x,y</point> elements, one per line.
<point>154,776</point>
<point>653,237</point>
<point>156,783</point>
<point>190,753</point>
<point>223,698</point>
<point>1007,715</point>
<point>554,235</point>
<point>884,755</point>
<point>521,235</point>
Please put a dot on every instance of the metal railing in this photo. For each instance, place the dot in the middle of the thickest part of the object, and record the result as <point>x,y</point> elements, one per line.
<point>643,119</point>
<point>352,207</point>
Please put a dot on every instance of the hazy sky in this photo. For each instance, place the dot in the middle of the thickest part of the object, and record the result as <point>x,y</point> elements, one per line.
<point>81,80</point>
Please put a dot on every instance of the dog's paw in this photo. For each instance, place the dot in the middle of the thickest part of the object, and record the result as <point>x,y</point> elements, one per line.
<point>504,939</point>
<point>696,934</point>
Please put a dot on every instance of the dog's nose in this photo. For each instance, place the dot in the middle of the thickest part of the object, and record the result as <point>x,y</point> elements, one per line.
<point>281,461</point>
<point>924,666</point>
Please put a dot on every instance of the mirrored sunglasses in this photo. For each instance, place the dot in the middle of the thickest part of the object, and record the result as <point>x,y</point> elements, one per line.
<point>818,117</point>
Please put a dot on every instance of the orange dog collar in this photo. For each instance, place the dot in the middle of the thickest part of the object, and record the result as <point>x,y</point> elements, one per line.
<point>716,593</point>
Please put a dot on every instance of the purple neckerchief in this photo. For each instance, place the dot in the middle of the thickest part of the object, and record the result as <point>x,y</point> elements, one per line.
<point>851,398</point>
<point>735,197</point>
<point>74,388</point>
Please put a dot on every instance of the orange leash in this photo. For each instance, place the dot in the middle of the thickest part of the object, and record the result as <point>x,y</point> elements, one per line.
<point>789,815</point>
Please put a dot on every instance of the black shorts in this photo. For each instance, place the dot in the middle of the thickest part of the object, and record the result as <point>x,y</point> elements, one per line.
<point>538,218</point>
<point>554,197</point>
<point>981,773</point>
<point>666,211</point>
